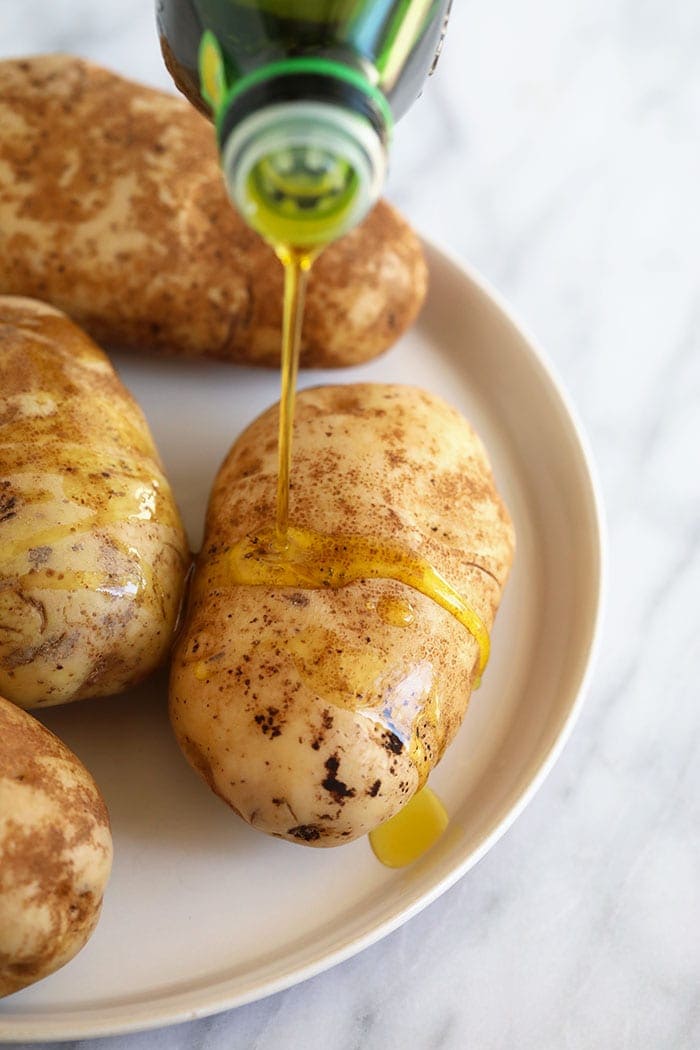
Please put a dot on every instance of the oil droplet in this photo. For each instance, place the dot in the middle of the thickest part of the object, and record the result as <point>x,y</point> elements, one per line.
<point>201,670</point>
<point>411,833</point>
<point>397,612</point>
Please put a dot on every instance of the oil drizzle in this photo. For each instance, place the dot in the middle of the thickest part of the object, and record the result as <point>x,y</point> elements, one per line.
<point>317,560</point>
<point>408,835</point>
<point>297,264</point>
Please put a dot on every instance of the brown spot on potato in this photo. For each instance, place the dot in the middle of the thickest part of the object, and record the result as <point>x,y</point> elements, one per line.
<point>298,598</point>
<point>46,651</point>
<point>269,721</point>
<point>38,556</point>
<point>8,504</point>
<point>392,743</point>
<point>305,832</point>
<point>339,790</point>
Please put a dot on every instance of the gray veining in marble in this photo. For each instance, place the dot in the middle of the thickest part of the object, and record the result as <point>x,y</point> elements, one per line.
<point>558,149</point>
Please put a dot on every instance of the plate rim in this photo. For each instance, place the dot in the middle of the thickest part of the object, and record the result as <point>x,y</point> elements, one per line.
<point>164,1011</point>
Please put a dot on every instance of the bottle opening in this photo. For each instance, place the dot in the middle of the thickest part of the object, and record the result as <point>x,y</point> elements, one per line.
<point>302,174</point>
<point>305,190</point>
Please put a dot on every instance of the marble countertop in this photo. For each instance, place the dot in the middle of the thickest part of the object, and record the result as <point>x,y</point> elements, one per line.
<point>558,150</point>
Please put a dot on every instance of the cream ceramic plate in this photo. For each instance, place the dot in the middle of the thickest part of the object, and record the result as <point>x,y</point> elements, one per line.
<point>203,913</point>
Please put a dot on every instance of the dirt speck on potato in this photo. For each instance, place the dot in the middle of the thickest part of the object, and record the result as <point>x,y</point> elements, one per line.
<point>337,788</point>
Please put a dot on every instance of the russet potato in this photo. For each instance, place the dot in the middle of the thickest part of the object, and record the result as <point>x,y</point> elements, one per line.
<point>317,713</point>
<point>113,208</point>
<point>93,555</point>
<point>55,851</point>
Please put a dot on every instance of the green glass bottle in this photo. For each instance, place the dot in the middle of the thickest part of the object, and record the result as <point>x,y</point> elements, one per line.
<point>303,94</point>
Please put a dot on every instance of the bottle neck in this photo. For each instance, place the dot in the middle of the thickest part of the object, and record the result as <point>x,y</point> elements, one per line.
<point>303,144</point>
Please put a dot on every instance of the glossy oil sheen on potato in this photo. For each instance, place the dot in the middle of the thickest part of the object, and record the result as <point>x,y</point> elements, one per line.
<point>316,713</point>
<point>112,207</point>
<point>92,552</point>
<point>55,851</point>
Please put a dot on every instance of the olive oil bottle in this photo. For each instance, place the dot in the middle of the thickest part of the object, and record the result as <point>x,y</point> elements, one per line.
<point>304,95</point>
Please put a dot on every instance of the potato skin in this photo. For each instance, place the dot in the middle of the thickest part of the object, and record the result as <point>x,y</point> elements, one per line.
<point>93,555</point>
<point>113,208</point>
<point>55,851</point>
<point>308,711</point>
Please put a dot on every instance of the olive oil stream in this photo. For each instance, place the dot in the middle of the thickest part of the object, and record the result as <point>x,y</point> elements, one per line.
<point>289,556</point>
<point>297,265</point>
